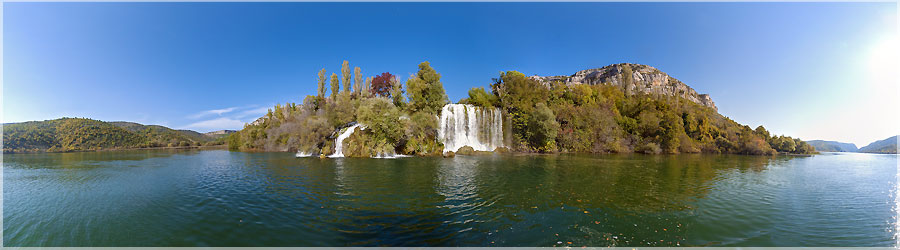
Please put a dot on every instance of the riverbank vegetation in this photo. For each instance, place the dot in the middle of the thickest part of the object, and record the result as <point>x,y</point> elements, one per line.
<point>603,119</point>
<point>540,117</point>
<point>544,117</point>
<point>80,134</point>
<point>394,122</point>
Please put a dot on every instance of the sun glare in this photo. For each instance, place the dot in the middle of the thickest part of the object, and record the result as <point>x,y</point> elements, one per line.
<point>883,64</point>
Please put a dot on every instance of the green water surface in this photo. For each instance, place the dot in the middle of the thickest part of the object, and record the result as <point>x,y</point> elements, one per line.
<point>222,198</point>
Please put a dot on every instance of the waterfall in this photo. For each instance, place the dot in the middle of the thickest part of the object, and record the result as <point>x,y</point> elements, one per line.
<point>467,125</point>
<point>338,142</point>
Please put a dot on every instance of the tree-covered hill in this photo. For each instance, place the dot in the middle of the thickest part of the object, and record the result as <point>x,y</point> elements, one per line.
<point>886,146</point>
<point>540,115</point>
<point>79,134</point>
<point>160,136</point>
<point>832,146</point>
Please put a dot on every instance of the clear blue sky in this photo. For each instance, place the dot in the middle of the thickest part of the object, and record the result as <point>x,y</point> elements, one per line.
<point>813,70</point>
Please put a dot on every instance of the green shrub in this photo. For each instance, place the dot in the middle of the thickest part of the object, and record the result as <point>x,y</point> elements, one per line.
<point>481,98</point>
<point>421,135</point>
<point>382,119</point>
<point>542,129</point>
<point>648,148</point>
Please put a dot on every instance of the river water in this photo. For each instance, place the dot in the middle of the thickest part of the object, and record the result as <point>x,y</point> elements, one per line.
<point>222,198</point>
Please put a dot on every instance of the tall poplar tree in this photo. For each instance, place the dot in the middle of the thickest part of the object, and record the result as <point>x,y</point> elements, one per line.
<point>367,87</point>
<point>345,72</point>
<point>322,87</point>
<point>335,86</point>
<point>357,80</point>
<point>397,92</point>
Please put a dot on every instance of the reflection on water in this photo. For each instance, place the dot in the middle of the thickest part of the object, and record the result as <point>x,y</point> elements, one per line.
<point>221,198</point>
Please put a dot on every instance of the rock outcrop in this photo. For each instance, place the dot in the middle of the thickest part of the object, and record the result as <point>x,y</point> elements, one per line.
<point>219,133</point>
<point>644,79</point>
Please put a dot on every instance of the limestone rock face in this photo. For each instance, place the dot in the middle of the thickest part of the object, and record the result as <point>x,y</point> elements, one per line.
<point>644,79</point>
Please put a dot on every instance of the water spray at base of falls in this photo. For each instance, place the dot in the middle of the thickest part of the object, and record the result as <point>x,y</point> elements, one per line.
<point>466,125</point>
<point>339,146</point>
<point>389,156</point>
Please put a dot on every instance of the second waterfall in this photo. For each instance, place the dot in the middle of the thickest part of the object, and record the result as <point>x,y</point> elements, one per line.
<point>466,125</point>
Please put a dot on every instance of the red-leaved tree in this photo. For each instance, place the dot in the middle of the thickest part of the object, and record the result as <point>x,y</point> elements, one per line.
<point>381,85</point>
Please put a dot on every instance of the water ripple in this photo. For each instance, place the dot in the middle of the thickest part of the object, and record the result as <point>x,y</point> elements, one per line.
<point>220,198</point>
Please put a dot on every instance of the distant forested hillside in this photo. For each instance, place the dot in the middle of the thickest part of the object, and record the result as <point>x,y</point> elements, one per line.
<point>886,146</point>
<point>158,136</point>
<point>833,146</point>
<point>79,134</point>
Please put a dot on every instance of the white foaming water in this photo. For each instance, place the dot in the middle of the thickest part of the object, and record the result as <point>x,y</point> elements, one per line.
<point>389,156</point>
<point>303,154</point>
<point>338,142</point>
<point>467,125</point>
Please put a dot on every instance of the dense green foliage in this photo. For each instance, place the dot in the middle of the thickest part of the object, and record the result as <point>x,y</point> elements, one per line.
<point>382,132</point>
<point>425,90</point>
<point>538,117</point>
<point>603,118</point>
<point>421,135</point>
<point>481,98</point>
<point>390,125</point>
<point>519,96</point>
<point>78,134</point>
<point>159,136</point>
<point>381,117</point>
<point>542,128</point>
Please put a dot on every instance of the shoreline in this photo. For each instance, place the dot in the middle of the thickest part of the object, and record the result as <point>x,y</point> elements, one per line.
<point>476,153</point>
<point>509,153</point>
<point>121,149</point>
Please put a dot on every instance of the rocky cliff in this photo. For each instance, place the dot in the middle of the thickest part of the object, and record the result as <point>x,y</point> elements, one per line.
<point>642,78</point>
<point>219,132</point>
